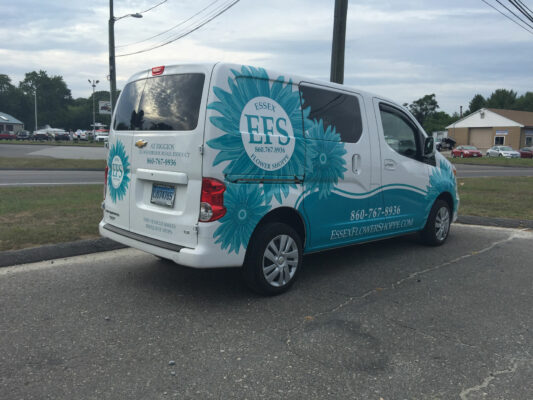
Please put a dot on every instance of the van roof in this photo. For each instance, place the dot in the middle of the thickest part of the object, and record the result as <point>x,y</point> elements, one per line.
<point>175,68</point>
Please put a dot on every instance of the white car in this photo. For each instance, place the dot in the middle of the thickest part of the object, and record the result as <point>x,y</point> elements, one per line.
<point>102,137</point>
<point>502,151</point>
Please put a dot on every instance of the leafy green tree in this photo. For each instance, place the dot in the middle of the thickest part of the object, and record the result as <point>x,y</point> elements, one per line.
<point>525,102</point>
<point>438,121</point>
<point>423,108</point>
<point>53,97</point>
<point>502,98</point>
<point>477,103</point>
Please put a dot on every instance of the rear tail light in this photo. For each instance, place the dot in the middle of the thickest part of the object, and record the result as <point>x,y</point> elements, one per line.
<point>105,180</point>
<point>158,70</point>
<point>212,200</point>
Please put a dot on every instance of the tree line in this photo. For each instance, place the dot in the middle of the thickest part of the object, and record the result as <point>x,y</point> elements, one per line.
<point>425,108</point>
<point>55,104</point>
<point>57,108</point>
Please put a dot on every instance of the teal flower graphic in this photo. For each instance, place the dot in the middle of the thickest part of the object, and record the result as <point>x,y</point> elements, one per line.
<point>441,180</point>
<point>119,171</point>
<point>244,205</point>
<point>325,151</point>
<point>248,84</point>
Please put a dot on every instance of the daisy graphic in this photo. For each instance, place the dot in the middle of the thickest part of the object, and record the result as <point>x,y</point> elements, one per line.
<point>119,170</point>
<point>245,207</point>
<point>251,85</point>
<point>325,152</point>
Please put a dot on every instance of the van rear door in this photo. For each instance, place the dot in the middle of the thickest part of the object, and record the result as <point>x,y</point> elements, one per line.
<point>167,125</point>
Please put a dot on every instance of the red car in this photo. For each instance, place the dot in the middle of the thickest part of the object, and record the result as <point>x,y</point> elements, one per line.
<point>466,151</point>
<point>526,152</point>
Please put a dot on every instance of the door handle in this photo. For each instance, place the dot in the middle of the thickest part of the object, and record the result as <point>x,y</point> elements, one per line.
<point>356,163</point>
<point>389,164</point>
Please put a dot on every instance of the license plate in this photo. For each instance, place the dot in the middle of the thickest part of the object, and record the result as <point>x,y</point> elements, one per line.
<point>163,195</point>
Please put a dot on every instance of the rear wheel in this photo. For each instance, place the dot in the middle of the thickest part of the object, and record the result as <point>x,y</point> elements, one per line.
<point>462,155</point>
<point>273,259</point>
<point>438,224</point>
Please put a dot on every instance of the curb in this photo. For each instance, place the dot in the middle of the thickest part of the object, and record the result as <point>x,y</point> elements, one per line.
<point>497,222</point>
<point>82,247</point>
<point>60,250</point>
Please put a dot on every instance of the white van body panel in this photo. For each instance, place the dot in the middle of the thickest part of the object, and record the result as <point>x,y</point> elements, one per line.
<point>278,152</point>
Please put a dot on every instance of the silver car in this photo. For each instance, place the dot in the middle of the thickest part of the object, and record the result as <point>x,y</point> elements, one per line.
<point>502,151</point>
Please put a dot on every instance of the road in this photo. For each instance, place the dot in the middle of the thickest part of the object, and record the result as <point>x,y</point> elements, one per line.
<point>390,320</point>
<point>48,151</point>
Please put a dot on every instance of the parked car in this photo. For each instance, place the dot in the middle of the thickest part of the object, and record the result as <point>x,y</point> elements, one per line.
<point>526,152</point>
<point>101,136</point>
<point>260,193</point>
<point>40,135</point>
<point>7,136</point>
<point>502,151</point>
<point>23,135</point>
<point>61,135</point>
<point>466,151</point>
<point>445,144</point>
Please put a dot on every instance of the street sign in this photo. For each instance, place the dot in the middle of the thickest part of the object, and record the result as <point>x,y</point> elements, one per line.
<point>104,107</point>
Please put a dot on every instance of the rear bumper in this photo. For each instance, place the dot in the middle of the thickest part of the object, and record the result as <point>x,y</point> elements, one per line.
<point>206,254</point>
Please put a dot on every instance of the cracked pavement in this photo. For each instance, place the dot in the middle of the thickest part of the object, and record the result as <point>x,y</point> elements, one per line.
<point>384,320</point>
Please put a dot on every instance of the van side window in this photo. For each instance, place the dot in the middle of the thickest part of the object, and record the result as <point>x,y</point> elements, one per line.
<point>165,103</point>
<point>339,110</point>
<point>400,133</point>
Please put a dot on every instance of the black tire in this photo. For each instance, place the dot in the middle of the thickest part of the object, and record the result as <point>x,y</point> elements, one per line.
<point>434,233</point>
<point>284,266</point>
<point>499,155</point>
<point>462,155</point>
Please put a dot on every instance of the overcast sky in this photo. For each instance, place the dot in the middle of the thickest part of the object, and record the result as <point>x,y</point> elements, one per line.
<point>401,49</point>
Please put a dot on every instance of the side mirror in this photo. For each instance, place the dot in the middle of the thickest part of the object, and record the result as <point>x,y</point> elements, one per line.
<point>429,146</point>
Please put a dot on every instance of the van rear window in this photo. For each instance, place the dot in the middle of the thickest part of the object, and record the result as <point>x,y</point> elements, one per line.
<point>164,103</point>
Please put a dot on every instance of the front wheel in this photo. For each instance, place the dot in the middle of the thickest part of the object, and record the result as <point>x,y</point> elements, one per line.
<point>273,259</point>
<point>438,224</point>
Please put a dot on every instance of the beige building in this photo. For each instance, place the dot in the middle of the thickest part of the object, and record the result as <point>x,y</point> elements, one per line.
<point>490,126</point>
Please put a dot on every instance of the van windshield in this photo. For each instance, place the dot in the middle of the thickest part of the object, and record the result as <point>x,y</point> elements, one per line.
<point>164,103</point>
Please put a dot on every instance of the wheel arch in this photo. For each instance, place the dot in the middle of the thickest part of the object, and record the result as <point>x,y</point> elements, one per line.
<point>448,198</point>
<point>286,215</point>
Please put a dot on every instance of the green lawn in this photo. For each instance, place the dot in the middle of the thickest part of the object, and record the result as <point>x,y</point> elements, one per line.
<point>33,216</point>
<point>50,163</point>
<point>502,197</point>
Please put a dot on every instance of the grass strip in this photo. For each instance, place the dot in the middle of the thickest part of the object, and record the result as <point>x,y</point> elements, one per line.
<point>496,161</point>
<point>33,216</point>
<point>498,197</point>
<point>50,163</point>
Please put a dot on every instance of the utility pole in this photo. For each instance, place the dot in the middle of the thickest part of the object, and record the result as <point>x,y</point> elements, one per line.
<point>35,101</point>
<point>112,70</point>
<point>93,84</point>
<point>339,40</point>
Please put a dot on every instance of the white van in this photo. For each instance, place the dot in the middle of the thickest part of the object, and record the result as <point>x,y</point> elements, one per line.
<point>218,165</point>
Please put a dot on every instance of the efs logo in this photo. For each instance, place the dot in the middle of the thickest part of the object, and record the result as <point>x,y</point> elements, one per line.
<point>267,133</point>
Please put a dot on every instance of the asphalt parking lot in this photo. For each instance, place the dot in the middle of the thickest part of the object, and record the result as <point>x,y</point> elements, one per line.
<point>385,320</point>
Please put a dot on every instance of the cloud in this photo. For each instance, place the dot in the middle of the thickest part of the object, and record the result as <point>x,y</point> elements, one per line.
<point>402,49</point>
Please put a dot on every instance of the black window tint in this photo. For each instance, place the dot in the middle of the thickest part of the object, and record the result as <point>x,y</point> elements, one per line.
<point>126,113</point>
<point>170,102</point>
<point>400,133</point>
<point>339,110</point>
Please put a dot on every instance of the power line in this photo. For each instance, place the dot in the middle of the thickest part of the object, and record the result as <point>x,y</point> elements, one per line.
<point>179,36</point>
<point>508,17</point>
<point>519,7</point>
<point>525,6</point>
<point>151,8</point>
<point>174,27</point>
<point>512,12</point>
